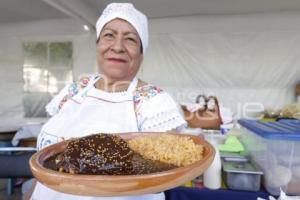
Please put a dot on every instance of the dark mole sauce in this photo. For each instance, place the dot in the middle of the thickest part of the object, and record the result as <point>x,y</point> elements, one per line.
<point>103,154</point>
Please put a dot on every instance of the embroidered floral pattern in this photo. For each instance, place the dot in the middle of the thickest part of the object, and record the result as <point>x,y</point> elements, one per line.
<point>84,80</point>
<point>145,92</point>
<point>74,88</point>
<point>62,102</point>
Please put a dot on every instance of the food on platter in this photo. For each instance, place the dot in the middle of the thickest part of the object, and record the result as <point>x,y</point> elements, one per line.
<point>145,179</point>
<point>103,154</point>
<point>108,154</point>
<point>167,148</point>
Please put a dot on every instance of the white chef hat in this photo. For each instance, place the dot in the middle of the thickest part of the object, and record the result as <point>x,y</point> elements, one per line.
<point>125,11</point>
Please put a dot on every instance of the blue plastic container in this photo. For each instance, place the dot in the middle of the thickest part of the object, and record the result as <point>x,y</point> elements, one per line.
<point>275,147</point>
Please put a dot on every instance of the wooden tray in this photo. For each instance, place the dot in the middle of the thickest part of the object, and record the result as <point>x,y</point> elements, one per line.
<point>113,185</point>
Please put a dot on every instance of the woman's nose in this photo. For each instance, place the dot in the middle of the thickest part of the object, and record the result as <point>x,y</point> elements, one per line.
<point>118,45</point>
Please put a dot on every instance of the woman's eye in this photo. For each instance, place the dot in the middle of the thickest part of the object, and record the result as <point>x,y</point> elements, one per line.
<point>108,35</point>
<point>131,39</point>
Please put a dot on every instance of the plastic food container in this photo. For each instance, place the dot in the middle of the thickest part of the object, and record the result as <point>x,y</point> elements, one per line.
<point>234,156</point>
<point>275,147</point>
<point>242,175</point>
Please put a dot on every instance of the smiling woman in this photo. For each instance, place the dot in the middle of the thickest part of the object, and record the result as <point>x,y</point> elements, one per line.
<point>114,101</point>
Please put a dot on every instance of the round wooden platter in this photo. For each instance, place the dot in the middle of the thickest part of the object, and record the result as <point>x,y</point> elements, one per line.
<point>117,185</point>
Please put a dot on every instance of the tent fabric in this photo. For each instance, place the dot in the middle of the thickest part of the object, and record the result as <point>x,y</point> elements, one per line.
<point>250,62</point>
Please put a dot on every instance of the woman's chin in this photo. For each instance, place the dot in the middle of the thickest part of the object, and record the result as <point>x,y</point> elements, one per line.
<point>115,76</point>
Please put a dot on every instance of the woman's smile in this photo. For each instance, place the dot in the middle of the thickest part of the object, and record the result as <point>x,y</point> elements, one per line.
<point>117,60</point>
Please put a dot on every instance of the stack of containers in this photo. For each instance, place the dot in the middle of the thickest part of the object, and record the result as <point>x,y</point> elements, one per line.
<point>275,147</point>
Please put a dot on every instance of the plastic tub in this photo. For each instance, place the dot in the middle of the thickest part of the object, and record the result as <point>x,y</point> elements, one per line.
<point>242,175</point>
<point>275,147</point>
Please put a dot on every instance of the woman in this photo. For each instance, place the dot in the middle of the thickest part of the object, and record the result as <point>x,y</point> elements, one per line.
<point>115,101</point>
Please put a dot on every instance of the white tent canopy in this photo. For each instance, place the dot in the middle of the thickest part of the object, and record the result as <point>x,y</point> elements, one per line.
<point>245,52</point>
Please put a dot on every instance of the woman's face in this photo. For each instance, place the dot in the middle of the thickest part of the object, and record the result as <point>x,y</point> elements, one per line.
<point>119,50</point>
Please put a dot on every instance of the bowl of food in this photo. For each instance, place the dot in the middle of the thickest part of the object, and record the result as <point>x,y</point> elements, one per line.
<point>123,164</point>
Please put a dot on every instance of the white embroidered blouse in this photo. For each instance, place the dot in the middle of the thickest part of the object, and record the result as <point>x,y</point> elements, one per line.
<point>155,109</point>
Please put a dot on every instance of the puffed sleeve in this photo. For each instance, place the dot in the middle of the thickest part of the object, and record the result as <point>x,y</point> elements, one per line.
<point>156,110</point>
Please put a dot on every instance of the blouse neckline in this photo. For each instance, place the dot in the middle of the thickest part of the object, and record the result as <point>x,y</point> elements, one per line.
<point>114,96</point>
<point>131,88</point>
